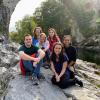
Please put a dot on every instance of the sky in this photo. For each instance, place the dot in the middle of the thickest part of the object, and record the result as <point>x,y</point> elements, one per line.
<point>24,7</point>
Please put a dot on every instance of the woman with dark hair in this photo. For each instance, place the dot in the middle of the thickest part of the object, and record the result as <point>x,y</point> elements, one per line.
<point>36,34</point>
<point>59,66</point>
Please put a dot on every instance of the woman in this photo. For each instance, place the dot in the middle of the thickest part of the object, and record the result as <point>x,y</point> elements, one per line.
<point>52,38</point>
<point>59,66</point>
<point>36,34</point>
<point>44,45</point>
<point>71,52</point>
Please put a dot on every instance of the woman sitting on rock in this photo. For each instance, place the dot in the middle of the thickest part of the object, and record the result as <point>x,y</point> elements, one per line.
<point>44,45</point>
<point>59,66</point>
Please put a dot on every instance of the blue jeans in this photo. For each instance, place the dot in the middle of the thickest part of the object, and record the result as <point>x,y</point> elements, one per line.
<point>28,66</point>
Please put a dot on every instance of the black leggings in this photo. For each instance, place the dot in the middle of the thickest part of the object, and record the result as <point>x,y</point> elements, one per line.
<point>64,83</point>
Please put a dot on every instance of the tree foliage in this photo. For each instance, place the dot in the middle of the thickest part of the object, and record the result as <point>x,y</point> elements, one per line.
<point>26,25</point>
<point>52,13</point>
<point>81,14</point>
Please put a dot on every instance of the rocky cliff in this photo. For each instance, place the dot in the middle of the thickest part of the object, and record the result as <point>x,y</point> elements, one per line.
<point>6,9</point>
<point>89,49</point>
<point>15,87</point>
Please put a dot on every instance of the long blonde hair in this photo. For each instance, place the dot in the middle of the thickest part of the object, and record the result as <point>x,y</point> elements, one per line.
<point>52,29</point>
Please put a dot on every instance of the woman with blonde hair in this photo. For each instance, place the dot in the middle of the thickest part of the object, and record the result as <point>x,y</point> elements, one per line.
<point>44,45</point>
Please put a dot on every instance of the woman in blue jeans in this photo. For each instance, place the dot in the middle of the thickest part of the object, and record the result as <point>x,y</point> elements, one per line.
<point>59,66</point>
<point>44,45</point>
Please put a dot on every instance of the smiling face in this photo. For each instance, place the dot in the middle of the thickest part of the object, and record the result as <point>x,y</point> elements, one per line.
<point>42,38</point>
<point>57,49</point>
<point>37,31</point>
<point>28,41</point>
<point>51,33</point>
<point>67,41</point>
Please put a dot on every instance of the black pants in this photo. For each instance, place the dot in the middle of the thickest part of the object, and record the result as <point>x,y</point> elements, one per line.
<point>64,83</point>
<point>47,56</point>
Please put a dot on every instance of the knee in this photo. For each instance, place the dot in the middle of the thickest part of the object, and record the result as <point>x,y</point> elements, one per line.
<point>63,85</point>
<point>53,80</point>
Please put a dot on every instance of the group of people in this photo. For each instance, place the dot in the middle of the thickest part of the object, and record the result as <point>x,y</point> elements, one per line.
<point>39,50</point>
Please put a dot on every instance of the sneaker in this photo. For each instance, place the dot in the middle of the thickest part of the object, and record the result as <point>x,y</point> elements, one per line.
<point>79,82</point>
<point>46,66</point>
<point>35,80</point>
<point>41,76</point>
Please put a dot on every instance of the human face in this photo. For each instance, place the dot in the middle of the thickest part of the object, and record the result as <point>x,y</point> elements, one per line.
<point>28,41</point>
<point>42,38</point>
<point>57,49</point>
<point>51,33</point>
<point>37,32</point>
<point>67,41</point>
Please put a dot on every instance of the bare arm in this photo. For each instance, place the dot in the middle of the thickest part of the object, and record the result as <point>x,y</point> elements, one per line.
<point>53,69</point>
<point>24,56</point>
<point>41,54</point>
<point>47,47</point>
<point>71,63</point>
<point>58,38</point>
<point>63,68</point>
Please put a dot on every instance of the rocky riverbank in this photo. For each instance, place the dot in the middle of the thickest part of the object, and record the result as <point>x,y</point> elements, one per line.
<point>89,49</point>
<point>15,87</point>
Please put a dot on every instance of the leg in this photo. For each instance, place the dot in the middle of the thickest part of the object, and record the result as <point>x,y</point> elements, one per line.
<point>47,55</point>
<point>53,80</point>
<point>37,68</point>
<point>28,66</point>
<point>65,83</point>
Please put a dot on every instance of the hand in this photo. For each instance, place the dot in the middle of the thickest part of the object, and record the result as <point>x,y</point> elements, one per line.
<point>58,79</point>
<point>36,60</point>
<point>35,64</point>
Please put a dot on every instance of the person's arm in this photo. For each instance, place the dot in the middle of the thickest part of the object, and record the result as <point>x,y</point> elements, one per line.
<point>24,56</point>
<point>41,54</point>
<point>73,57</point>
<point>72,63</point>
<point>58,39</point>
<point>47,46</point>
<point>52,68</point>
<point>63,69</point>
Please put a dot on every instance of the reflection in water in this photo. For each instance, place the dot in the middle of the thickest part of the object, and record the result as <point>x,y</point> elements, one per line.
<point>89,55</point>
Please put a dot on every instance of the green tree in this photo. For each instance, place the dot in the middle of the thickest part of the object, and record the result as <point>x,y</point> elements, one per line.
<point>26,25</point>
<point>14,36</point>
<point>52,13</point>
<point>80,14</point>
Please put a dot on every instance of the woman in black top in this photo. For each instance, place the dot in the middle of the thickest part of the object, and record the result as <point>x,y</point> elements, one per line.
<point>71,52</point>
<point>59,66</point>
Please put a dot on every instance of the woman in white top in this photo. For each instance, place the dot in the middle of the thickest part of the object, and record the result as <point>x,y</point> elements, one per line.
<point>44,45</point>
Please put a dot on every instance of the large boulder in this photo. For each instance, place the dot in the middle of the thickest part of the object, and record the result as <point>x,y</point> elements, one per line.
<point>13,86</point>
<point>89,49</point>
<point>8,59</point>
<point>6,9</point>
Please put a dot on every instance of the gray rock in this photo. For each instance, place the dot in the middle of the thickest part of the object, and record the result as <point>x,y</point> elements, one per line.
<point>15,87</point>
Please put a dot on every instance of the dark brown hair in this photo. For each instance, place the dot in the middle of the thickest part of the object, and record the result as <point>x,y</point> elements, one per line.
<point>34,32</point>
<point>26,35</point>
<point>53,55</point>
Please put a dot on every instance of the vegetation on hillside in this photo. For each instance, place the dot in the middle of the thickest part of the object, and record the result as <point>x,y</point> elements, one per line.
<point>58,14</point>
